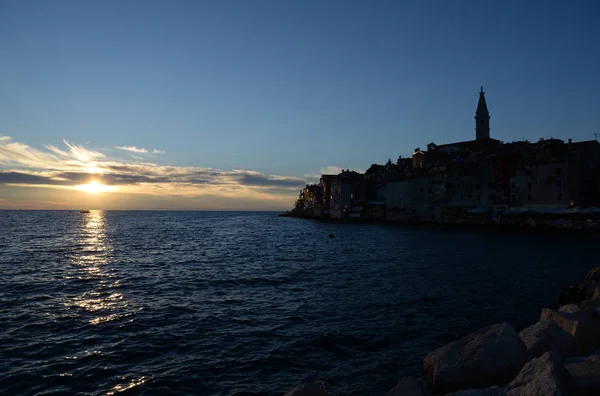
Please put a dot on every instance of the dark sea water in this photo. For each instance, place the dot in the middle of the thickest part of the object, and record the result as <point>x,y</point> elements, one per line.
<point>217,303</point>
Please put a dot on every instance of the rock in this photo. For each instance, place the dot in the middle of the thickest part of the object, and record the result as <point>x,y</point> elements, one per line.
<point>581,324</point>
<point>585,371</point>
<point>493,391</point>
<point>589,306</point>
<point>331,236</point>
<point>571,308</point>
<point>596,294</point>
<point>592,290</point>
<point>547,336</point>
<point>491,356</point>
<point>409,386</point>
<point>541,376</point>
<point>308,389</point>
<point>594,274</point>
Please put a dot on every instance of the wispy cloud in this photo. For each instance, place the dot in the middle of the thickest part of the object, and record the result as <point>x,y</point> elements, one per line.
<point>133,149</point>
<point>73,165</point>
<point>139,150</point>
<point>331,170</point>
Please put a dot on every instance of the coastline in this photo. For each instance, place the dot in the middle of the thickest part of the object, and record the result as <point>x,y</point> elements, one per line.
<point>466,225</point>
<point>558,355</point>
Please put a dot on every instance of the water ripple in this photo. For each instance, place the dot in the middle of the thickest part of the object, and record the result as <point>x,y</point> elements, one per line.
<point>249,303</point>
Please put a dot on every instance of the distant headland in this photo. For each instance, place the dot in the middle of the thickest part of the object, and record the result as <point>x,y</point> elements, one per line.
<point>549,183</point>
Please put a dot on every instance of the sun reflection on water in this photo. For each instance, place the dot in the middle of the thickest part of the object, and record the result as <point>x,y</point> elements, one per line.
<point>91,258</point>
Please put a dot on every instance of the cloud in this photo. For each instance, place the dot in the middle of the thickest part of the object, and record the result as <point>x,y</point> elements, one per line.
<point>140,150</point>
<point>73,165</point>
<point>331,170</point>
<point>133,149</point>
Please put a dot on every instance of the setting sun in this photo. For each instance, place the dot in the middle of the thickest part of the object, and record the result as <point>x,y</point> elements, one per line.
<point>94,187</point>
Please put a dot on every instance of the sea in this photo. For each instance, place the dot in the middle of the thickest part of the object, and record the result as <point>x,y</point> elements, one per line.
<point>250,303</point>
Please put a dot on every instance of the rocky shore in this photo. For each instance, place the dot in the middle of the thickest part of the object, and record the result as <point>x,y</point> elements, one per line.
<point>558,355</point>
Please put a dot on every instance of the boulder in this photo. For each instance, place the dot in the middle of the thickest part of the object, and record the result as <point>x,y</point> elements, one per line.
<point>542,376</point>
<point>493,391</point>
<point>589,306</point>
<point>409,386</point>
<point>547,336</point>
<point>596,294</point>
<point>491,356</point>
<point>594,274</point>
<point>585,371</point>
<point>571,308</point>
<point>308,389</point>
<point>592,290</point>
<point>581,324</point>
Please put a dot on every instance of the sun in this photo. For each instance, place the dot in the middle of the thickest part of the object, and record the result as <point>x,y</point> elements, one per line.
<point>94,187</point>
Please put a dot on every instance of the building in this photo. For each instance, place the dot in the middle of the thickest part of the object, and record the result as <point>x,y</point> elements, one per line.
<point>483,177</point>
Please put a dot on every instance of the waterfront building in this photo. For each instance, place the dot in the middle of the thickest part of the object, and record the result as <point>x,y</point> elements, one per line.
<point>483,177</point>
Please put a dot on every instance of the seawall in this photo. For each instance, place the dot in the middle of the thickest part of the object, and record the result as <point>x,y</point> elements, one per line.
<point>461,224</point>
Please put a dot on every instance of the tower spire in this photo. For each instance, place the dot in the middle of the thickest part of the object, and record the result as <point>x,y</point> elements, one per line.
<point>482,118</point>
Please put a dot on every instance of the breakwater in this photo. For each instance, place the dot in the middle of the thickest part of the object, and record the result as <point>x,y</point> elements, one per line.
<point>558,355</point>
<point>524,223</point>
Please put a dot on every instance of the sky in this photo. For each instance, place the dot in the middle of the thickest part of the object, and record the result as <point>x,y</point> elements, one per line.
<point>236,104</point>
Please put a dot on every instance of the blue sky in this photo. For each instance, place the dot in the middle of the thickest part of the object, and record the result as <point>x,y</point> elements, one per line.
<point>285,89</point>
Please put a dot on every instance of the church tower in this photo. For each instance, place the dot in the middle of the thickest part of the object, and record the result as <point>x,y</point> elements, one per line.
<point>482,118</point>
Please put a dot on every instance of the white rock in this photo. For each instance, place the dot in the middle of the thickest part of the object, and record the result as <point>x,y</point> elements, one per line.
<point>571,308</point>
<point>545,336</point>
<point>491,356</point>
<point>541,376</point>
<point>585,371</point>
<point>581,324</point>
<point>308,389</point>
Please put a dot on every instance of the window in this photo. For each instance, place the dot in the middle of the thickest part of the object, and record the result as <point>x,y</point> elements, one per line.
<point>558,184</point>
<point>513,174</point>
<point>558,171</point>
<point>422,189</point>
<point>479,197</point>
<point>491,197</point>
<point>559,196</point>
<point>491,185</point>
<point>528,172</point>
<point>529,197</point>
<point>529,185</point>
<point>450,185</point>
<point>513,185</point>
<point>513,197</point>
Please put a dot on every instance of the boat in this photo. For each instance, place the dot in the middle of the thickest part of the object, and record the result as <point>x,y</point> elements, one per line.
<point>84,211</point>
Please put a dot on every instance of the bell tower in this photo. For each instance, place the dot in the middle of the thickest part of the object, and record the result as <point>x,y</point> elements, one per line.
<point>482,118</point>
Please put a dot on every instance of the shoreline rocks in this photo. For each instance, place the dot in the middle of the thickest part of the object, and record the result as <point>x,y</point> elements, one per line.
<point>491,356</point>
<point>558,355</point>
